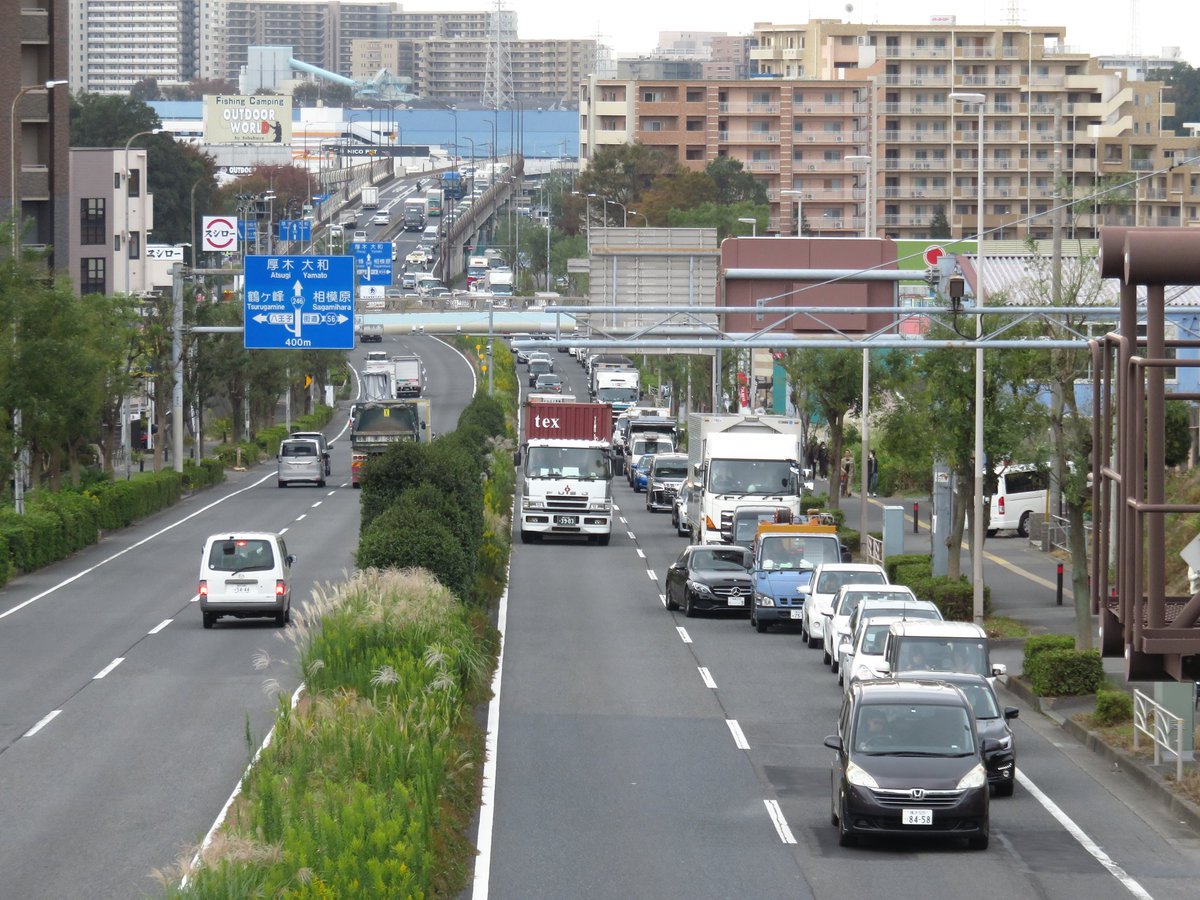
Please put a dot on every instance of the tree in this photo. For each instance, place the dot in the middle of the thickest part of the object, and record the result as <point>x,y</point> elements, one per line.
<point>720,216</point>
<point>1182,89</point>
<point>734,185</point>
<point>145,90</point>
<point>684,190</point>
<point>939,225</point>
<point>108,120</point>
<point>623,172</point>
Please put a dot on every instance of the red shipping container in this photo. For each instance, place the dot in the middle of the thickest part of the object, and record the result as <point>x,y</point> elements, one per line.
<point>568,421</point>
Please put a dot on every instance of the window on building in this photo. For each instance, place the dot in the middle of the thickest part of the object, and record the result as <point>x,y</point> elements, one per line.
<point>134,184</point>
<point>92,275</point>
<point>135,245</point>
<point>695,95</point>
<point>695,153</point>
<point>93,221</point>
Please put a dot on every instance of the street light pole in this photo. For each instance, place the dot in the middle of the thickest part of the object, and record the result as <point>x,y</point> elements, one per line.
<point>799,196</point>
<point>753,223</point>
<point>12,157</point>
<point>980,300</point>
<point>645,218</point>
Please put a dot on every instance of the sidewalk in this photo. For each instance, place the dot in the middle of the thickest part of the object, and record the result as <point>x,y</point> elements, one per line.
<point>1023,584</point>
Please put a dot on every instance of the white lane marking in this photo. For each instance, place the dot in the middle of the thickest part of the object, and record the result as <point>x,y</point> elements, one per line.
<point>641,552</point>
<point>112,665</point>
<point>318,503</point>
<point>1129,883</point>
<point>624,521</point>
<point>236,790</point>
<point>131,547</point>
<point>706,677</point>
<point>487,811</point>
<point>780,823</point>
<point>739,739</point>
<point>283,531</point>
<point>160,626</point>
<point>662,598</point>
<point>302,517</point>
<point>195,597</point>
<point>653,577</point>
<point>632,536</point>
<point>331,493</point>
<point>618,509</point>
<point>684,636</point>
<point>46,720</point>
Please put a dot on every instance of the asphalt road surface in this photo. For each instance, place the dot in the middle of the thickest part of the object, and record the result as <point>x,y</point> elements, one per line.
<point>644,754</point>
<point>124,725</point>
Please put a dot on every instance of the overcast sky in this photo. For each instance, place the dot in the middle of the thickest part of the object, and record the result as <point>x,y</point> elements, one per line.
<point>633,25</point>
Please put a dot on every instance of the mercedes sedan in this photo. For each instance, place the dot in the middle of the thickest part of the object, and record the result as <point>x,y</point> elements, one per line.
<point>709,577</point>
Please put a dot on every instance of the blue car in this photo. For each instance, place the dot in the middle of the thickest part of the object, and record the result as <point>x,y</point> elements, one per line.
<point>639,472</point>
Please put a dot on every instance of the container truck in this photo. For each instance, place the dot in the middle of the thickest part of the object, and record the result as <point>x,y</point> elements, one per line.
<point>409,375</point>
<point>566,484</point>
<point>374,426</point>
<point>452,185</point>
<point>737,459</point>
<point>370,197</point>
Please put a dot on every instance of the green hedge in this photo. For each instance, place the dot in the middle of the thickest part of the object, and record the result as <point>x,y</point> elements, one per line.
<point>204,474</point>
<point>1113,707</point>
<point>1065,673</point>
<point>1040,643</point>
<point>955,597</point>
<point>921,561</point>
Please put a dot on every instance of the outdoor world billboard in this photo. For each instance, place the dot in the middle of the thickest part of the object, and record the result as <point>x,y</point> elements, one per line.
<point>240,119</point>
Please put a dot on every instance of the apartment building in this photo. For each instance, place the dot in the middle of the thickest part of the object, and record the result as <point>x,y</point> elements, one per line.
<point>543,71</point>
<point>112,216</point>
<point>117,43</point>
<point>35,122</point>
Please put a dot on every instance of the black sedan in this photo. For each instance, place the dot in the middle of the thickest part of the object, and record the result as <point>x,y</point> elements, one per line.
<point>709,577</point>
<point>991,721</point>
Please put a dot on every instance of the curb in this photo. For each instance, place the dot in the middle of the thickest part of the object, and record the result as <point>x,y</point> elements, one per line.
<point>1155,782</point>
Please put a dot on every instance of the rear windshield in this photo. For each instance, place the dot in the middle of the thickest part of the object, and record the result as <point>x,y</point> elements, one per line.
<point>675,470</point>
<point>241,556</point>
<point>301,448</point>
<point>941,654</point>
<point>831,581</point>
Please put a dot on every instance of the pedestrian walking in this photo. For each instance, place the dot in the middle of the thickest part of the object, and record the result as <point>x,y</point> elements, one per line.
<point>872,475</point>
<point>823,460</point>
<point>847,473</point>
<point>810,458</point>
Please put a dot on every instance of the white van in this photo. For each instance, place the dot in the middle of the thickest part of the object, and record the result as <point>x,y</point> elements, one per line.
<point>430,234</point>
<point>246,575</point>
<point>1021,493</point>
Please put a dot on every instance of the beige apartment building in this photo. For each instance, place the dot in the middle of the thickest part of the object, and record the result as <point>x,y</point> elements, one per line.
<point>853,129</point>
<point>541,70</point>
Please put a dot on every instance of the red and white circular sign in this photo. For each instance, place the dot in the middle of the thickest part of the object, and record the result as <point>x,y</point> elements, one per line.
<point>220,234</point>
<point>932,254</point>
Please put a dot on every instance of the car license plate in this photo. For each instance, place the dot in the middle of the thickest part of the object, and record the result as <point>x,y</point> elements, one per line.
<point>737,601</point>
<point>566,520</point>
<point>239,588</point>
<point>916,816</point>
<point>797,614</point>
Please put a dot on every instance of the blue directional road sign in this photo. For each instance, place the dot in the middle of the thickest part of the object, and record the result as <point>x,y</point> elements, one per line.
<point>303,302</point>
<point>373,262</point>
<point>295,230</point>
<point>247,230</point>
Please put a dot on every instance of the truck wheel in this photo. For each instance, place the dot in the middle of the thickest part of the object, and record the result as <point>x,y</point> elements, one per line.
<point>526,537</point>
<point>1023,531</point>
<point>603,540</point>
<point>759,625</point>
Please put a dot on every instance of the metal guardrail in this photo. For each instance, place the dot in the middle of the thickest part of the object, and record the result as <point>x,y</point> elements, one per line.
<point>873,548</point>
<point>1058,533</point>
<point>1164,729</point>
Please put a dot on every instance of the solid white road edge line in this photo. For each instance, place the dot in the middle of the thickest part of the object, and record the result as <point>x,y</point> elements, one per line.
<point>739,739</point>
<point>112,665</point>
<point>707,678</point>
<point>183,882</point>
<point>780,823</point>
<point>46,720</point>
<point>683,635</point>
<point>160,626</point>
<point>131,547</point>
<point>1129,883</point>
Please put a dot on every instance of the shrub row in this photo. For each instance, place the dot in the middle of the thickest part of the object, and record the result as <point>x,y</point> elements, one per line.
<point>955,597</point>
<point>268,439</point>
<point>1064,673</point>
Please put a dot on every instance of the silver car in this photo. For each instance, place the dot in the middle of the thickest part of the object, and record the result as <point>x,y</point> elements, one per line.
<point>300,459</point>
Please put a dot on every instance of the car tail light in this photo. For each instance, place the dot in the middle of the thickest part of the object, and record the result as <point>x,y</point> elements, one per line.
<point>1001,507</point>
<point>203,592</point>
<point>280,587</point>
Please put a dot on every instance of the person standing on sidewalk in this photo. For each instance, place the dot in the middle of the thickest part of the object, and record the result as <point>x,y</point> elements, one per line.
<point>847,474</point>
<point>872,475</point>
<point>823,460</point>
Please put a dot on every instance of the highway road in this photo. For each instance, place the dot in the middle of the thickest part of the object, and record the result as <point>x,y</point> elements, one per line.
<point>644,754</point>
<point>124,725</point>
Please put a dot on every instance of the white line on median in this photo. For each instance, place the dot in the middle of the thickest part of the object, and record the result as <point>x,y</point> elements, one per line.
<point>662,598</point>
<point>641,552</point>
<point>632,536</point>
<point>780,823</point>
<point>653,577</point>
<point>687,638</point>
<point>46,720</point>
<point>624,521</point>
<point>707,678</point>
<point>739,739</point>
<point>160,626</point>
<point>112,665</point>
<point>1081,836</point>
<point>302,517</point>
<point>318,503</point>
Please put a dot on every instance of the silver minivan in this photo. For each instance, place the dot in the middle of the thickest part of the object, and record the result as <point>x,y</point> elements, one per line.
<point>300,459</point>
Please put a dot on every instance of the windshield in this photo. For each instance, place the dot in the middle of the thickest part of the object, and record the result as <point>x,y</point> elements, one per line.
<point>675,470</point>
<point>720,560</point>
<point>650,447</point>
<point>983,701</point>
<point>617,395</point>
<point>751,476</point>
<point>797,552</point>
<point>874,638</point>
<point>539,367</point>
<point>916,729</point>
<point>939,654</point>
<point>566,462</point>
<point>831,582</point>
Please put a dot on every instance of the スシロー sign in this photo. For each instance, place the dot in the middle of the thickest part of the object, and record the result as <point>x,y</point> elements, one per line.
<point>220,234</point>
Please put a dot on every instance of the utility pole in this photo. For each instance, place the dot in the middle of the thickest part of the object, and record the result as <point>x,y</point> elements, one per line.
<point>177,365</point>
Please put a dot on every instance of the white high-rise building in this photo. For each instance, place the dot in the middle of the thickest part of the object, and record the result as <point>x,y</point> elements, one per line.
<point>116,43</point>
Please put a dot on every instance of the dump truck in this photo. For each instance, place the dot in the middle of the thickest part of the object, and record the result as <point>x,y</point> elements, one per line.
<point>375,425</point>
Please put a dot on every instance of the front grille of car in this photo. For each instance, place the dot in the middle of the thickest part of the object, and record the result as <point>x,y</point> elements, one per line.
<point>726,590</point>
<point>566,502</point>
<point>931,800</point>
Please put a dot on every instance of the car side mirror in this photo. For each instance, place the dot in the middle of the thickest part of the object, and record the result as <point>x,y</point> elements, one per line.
<point>884,669</point>
<point>1011,712</point>
<point>833,742</point>
<point>999,669</point>
<point>291,559</point>
<point>991,746</point>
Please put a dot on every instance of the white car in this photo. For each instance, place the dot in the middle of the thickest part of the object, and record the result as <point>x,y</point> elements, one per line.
<point>827,580</point>
<point>837,623</point>
<point>897,610</point>
<point>867,650</point>
<point>246,574</point>
<point>381,218</point>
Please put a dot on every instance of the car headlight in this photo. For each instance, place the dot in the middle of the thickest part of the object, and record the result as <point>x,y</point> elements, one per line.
<point>764,600</point>
<point>1005,742</point>
<point>699,588</point>
<point>976,778</point>
<point>526,502</point>
<point>860,777</point>
<point>864,673</point>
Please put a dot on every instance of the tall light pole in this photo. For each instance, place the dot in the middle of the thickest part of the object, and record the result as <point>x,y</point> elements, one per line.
<point>980,300</point>
<point>866,362</point>
<point>753,223</point>
<point>868,200</point>
<point>141,192</point>
<point>799,197</point>
<point>587,216</point>
<point>645,218</point>
<point>12,156</point>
